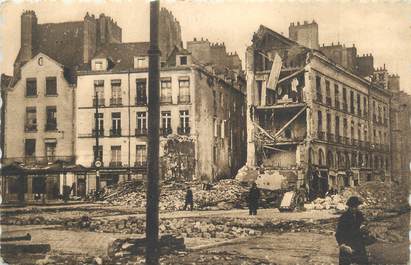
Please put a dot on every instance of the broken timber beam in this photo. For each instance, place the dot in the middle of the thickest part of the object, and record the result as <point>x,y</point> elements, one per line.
<point>264,131</point>
<point>289,122</point>
<point>273,148</point>
<point>291,76</point>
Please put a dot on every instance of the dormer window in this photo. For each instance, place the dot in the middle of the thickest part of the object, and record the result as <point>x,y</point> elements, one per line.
<point>183,60</point>
<point>99,64</point>
<point>140,62</point>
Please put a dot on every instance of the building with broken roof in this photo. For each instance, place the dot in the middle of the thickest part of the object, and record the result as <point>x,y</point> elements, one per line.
<point>202,112</point>
<point>315,114</point>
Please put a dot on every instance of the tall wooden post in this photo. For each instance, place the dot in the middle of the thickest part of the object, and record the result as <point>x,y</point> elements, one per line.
<point>153,192</point>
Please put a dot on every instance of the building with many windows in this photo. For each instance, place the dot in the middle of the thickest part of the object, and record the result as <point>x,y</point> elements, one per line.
<point>323,124</point>
<point>202,112</point>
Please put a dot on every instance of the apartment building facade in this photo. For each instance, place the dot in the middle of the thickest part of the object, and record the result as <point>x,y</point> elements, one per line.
<point>316,126</point>
<point>112,110</point>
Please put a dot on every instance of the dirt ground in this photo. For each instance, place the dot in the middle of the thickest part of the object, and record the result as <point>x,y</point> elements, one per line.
<point>280,243</point>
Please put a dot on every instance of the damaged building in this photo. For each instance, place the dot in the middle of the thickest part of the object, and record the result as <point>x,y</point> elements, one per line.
<point>316,115</point>
<point>202,110</point>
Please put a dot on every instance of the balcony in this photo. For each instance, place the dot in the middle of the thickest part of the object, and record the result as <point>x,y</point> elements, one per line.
<point>115,164</point>
<point>166,131</point>
<point>141,132</point>
<point>166,100</point>
<point>99,132</point>
<point>183,130</point>
<point>100,101</point>
<point>30,128</point>
<point>184,99</point>
<point>38,160</point>
<point>115,132</point>
<point>51,126</point>
<point>319,97</point>
<point>321,135</point>
<point>140,163</point>
<point>141,101</point>
<point>116,102</point>
<point>328,101</point>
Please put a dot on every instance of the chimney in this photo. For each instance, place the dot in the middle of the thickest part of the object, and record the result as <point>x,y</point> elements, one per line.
<point>28,34</point>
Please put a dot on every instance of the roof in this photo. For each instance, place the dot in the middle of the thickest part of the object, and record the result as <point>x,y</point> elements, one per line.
<point>122,54</point>
<point>58,166</point>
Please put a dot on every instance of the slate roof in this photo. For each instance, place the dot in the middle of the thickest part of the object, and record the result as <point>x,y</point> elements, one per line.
<point>122,55</point>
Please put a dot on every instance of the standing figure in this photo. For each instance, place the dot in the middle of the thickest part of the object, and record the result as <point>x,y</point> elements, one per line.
<point>189,199</point>
<point>349,235</point>
<point>253,199</point>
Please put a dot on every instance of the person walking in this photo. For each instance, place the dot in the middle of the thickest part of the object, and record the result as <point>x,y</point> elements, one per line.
<point>253,199</point>
<point>349,235</point>
<point>188,199</point>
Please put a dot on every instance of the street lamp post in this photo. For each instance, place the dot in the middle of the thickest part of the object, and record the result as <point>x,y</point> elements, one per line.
<point>153,192</point>
<point>96,134</point>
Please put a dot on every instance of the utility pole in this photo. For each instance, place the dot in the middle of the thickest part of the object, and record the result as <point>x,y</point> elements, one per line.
<point>153,192</point>
<point>96,134</point>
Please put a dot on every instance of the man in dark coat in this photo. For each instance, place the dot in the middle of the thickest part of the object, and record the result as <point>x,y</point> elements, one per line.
<point>189,199</point>
<point>253,199</point>
<point>349,235</point>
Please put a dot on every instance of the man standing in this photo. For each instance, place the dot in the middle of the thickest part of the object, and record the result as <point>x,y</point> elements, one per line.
<point>189,199</point>
<point>349,235</point>
<point>253,199</point>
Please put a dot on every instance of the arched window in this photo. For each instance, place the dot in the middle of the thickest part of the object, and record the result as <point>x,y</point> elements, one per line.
<point>330,159</point>
<point>310,156</point>
<point>321,159</point>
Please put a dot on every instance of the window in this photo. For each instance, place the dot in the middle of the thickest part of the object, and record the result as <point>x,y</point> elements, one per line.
<point>115,92</point>
<point>345,126</point>
<point>100,124</point>
<point>99,92</point>
<point>223,129</point>
<point>116,124</point>
<point>31,87</point>
<point>115,155</point>
<point>215,102</point>
<point>99,154</point>
<point>98,65</point>
<point>51,86</point>
<point>327,88</point>
<point>320,125</point>
<point>31,119</point>
<point>165,95</point>
<point>140,62</point>
<point>51,118</point>
<point>184,122</point>
<point>337,126</point>
<point>183,60</point>
<point>215,127</point>
<point>352,101</point>
<point>30,147</point>
<point>336,96</point>
<point>141,155</point>
<point>184,86</point>
<point>365,107</point>
<point>51,150</point>
<point>141,86</point>
<point>359,105</point>
<point>166,122</point>
<point>321,157</point>
<point>141,123</point>
<point>318,88</point>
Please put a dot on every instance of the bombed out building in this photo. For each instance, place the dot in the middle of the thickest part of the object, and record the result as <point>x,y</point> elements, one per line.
<point>317,116</point>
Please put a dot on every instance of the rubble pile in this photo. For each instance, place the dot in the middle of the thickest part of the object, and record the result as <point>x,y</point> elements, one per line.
<point>225,194</point>
<point>375,195</point>
<point>247,174</point>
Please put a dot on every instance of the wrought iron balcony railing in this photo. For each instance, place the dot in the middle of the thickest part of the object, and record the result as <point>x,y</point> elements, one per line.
<point>100,101</point>
<point>141,131</point>
<point>166,131</point>
<point>183,130</point>
<point>38,160</point>
<point>141,101</point>
<point>115,132</point>
<point>116,102</point>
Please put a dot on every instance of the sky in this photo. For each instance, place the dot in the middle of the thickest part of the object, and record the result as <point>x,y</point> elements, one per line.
<point>377,27</point>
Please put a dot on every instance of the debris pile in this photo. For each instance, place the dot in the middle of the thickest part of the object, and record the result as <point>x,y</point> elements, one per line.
<point>247,174</point>
<point>375,195</point>
<point>225,194</point>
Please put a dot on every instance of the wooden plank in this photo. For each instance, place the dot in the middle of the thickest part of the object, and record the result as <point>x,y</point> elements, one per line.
<point>289,122</point>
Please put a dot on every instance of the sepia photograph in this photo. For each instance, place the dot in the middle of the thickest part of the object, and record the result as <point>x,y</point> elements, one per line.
<point>205,132</point>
